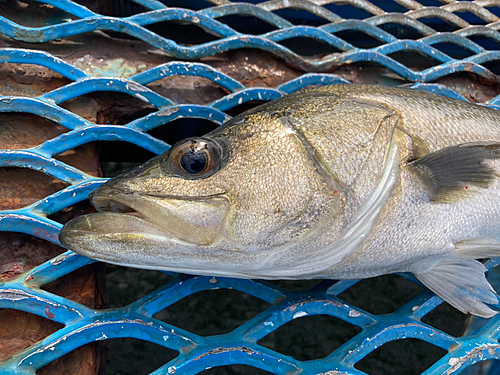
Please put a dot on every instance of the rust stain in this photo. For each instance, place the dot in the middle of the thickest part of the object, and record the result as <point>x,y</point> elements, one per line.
<point>49,313</point>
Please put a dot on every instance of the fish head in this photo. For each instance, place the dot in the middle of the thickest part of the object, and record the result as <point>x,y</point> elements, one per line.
<point>218,205</point>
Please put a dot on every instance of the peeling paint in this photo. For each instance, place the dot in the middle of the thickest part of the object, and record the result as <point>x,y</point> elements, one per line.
<point>456,363</point>
<point>354,313</point>
<point>242,349</point>
<point>299,314</point>
<point>117,67</point>
<point>14,294</point>
<point>169,111</point>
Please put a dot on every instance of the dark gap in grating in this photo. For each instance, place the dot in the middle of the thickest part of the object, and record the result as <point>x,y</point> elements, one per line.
<point>359,39</point>
<point>493,9</point>
<point>247,24</point>
<point>234,370</point>
<point>21,252</point>
<point>493,66</point>
<point>126,8</point>
<point>100,6</point>
<point>301,17</point>
<point>401,31</point>
<point>381,295</point>
<point>66,214</point>
<point>294,285</point>
<point>212,312</point>
<point>391,7</point>
<point>234,111</point>
<point>21,329</point>
<point>439,24</point>
<point>112,168</point>
<point>129,356</point>
<point>108,107</point>
<point>310,337</point>
<point>174,131</point>
<point>471,18</point>
<point>77,361</point>
<point>414,60</point>
<point>407,356</point>
<point>21,187</point>
<point>485,42</point>
<point>447,319</point>
<point>33,14</point>
<point>110,151</point>
<point>191,4</point>
<point>487,367</point>
<point>453,50</point>
<point>348,11</point>
<point>123,37</point>
<point>187,34</point>
<point>431,3</point>
<point>83,285</point>
<point>125,285</point>
<point>308,46</point>
<point>184,89</point>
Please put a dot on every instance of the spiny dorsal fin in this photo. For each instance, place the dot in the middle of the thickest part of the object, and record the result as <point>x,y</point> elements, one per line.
<point>450,171</point>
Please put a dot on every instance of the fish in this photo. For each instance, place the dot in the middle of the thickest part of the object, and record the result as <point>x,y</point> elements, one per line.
<point>345,181</point>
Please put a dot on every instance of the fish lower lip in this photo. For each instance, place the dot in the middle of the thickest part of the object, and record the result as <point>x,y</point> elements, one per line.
<point>112,223</point>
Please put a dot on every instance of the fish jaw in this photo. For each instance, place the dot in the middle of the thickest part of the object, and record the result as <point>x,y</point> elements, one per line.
<point>192,220</point>
<point>135,242</point>
<point>126,224</point>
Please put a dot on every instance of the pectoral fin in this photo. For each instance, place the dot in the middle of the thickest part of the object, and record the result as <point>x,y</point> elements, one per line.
<point>451,171</point>
<point>462,283</point>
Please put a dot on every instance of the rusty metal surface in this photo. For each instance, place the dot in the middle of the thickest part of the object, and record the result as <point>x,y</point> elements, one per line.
<point>20,187</point>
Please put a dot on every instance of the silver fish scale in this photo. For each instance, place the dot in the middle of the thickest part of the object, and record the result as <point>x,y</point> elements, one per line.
<point>401,26</point>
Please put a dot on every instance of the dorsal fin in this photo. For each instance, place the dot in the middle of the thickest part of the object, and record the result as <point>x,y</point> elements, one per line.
<point>450,172</point>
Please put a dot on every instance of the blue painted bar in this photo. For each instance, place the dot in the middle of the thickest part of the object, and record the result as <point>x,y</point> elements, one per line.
<point>27,56</point>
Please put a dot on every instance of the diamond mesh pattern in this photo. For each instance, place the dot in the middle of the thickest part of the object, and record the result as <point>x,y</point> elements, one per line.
<point>387,22</point>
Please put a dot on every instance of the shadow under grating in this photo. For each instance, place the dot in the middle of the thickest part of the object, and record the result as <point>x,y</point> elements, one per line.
<point>84,360</point>
<point>127,356</point>
<point>381,295</point>
<point>124,285</point>
<point>447,319</point>
<point>310,337</point>
<point>212,312</point>
<point>234,370</point>
<point>407,356</point>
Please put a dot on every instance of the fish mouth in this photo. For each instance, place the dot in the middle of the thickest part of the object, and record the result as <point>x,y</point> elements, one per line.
<point>188,221</point>
<point>106,204</point>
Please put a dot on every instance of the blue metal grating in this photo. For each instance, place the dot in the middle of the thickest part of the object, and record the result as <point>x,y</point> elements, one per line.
<point>472,20</point>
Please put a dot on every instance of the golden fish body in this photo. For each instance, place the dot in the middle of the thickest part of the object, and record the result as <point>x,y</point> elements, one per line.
<point>341,182</point>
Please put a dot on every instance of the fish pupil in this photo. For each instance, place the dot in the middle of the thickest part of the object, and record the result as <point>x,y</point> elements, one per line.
<point>194,161</point>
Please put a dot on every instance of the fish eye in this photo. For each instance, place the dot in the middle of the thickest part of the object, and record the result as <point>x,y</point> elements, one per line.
<point>195,156</point>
